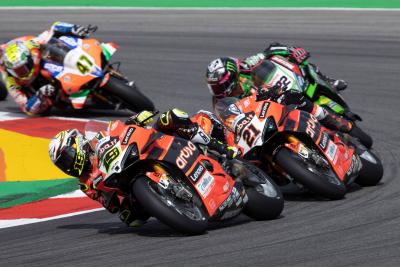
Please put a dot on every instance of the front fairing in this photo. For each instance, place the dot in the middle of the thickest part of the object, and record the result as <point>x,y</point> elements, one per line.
<point>74,63</point>
<point>278,72</point>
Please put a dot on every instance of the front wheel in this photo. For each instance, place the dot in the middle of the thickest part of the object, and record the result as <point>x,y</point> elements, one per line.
<point>371,171</point>
<point>265,200</point>
<point>129,95</point>
<point>183,215</point>
<point>324,183</point>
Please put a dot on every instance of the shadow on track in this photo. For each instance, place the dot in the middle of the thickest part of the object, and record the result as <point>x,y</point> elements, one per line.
<point>153,228</point>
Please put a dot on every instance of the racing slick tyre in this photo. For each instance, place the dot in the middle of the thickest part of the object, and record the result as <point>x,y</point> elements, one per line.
<point>129,95</point>
<point>265,200</point>
<point>325,184</point>
<point>362,136</point>
<point>184,216</point>
<point>3,91</point>
<point>371,171</point>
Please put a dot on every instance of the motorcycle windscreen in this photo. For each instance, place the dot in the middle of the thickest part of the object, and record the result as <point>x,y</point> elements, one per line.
<point>55,51</point>
<point>94,131</point>
<point>263,72</point>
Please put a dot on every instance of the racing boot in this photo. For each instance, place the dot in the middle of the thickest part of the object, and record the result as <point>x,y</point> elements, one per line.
<point>339,85</point>
<point>132,215</point>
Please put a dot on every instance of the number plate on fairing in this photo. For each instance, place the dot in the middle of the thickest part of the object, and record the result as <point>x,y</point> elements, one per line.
<point>249,135</point>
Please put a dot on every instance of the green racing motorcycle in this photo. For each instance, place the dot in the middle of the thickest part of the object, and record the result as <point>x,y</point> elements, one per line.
<point>278,71</point>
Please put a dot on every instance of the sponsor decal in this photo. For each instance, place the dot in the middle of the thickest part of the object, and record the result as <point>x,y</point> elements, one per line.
<point>53,68</point>
<point>234,197</point>
<point>254,60</point>
<point>311,126</point>
<point>197,173</point>
<point>353,164</point>
<point>72,42</point>
<point>105,144</point>
<point>234,109</point>
<point>184,154</point>
<point>128,135</point>
<point>242,123</point>
<point>264,110</point>
<point>283,62</point>
<point>324,141</point>
<point>205,184</point>
<point>203,136</point>
<point>331,150</point>
<point>300,80</point>
<point>225,187</point>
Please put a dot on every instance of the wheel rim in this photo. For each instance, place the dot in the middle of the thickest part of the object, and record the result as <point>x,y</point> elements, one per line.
<point>187,208</point>
<point>325,173</point>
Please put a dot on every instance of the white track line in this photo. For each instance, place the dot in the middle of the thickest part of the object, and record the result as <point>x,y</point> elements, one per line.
<point>18,222</point>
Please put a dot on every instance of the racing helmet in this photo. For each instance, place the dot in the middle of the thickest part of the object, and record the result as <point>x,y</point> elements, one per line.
<point>69,151</point>
<point>176,121</point>
<point>222,76</point>
<point>18,61</point>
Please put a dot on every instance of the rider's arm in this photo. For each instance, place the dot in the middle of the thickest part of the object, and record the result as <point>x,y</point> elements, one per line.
<point>109,200</point>
<point>62,28</point>
<point>296,54</point>
<point>30,105</point>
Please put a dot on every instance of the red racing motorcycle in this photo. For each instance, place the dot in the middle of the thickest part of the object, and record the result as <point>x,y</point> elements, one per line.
<point>174,181</point>
<point>294,147</point>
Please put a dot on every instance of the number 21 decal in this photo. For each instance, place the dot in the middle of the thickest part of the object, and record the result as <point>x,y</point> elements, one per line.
<point>250,134</point>
<point>84,64</point>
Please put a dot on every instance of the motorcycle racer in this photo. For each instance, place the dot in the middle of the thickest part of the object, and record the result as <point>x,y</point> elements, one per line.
<point>229,77</point>
<point>202,128</point>
<point>72,153</point>
<point>20,65</point>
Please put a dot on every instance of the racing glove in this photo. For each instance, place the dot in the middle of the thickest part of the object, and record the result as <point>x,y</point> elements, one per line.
<point>142,118</point>
<point>47,90</point>
<point>299,54</point>
<point>83,31</point>
<point>230,152</point>
<point>271,93</point>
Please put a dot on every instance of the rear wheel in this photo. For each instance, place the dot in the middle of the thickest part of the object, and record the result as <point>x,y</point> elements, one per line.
<point>362,136</point>
<point>372,169</point>
<point>323,182</point>
<point>184,215</point>
<point>265,200</point>
<point>129,95</point>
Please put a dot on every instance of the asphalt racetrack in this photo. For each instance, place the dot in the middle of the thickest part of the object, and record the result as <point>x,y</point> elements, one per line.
<point>166,52</point>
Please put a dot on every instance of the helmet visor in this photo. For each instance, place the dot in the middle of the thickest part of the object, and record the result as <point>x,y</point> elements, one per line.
<point>66,160</point>
<point>22,71</point>
<point>224,87</point>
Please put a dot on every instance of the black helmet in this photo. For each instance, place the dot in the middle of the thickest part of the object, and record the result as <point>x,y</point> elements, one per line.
<point>176,121</point>
<point>222,76</point>
<point>69,151</point>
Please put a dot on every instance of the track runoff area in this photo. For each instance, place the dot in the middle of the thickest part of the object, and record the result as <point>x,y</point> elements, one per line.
<point>27,193</point>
